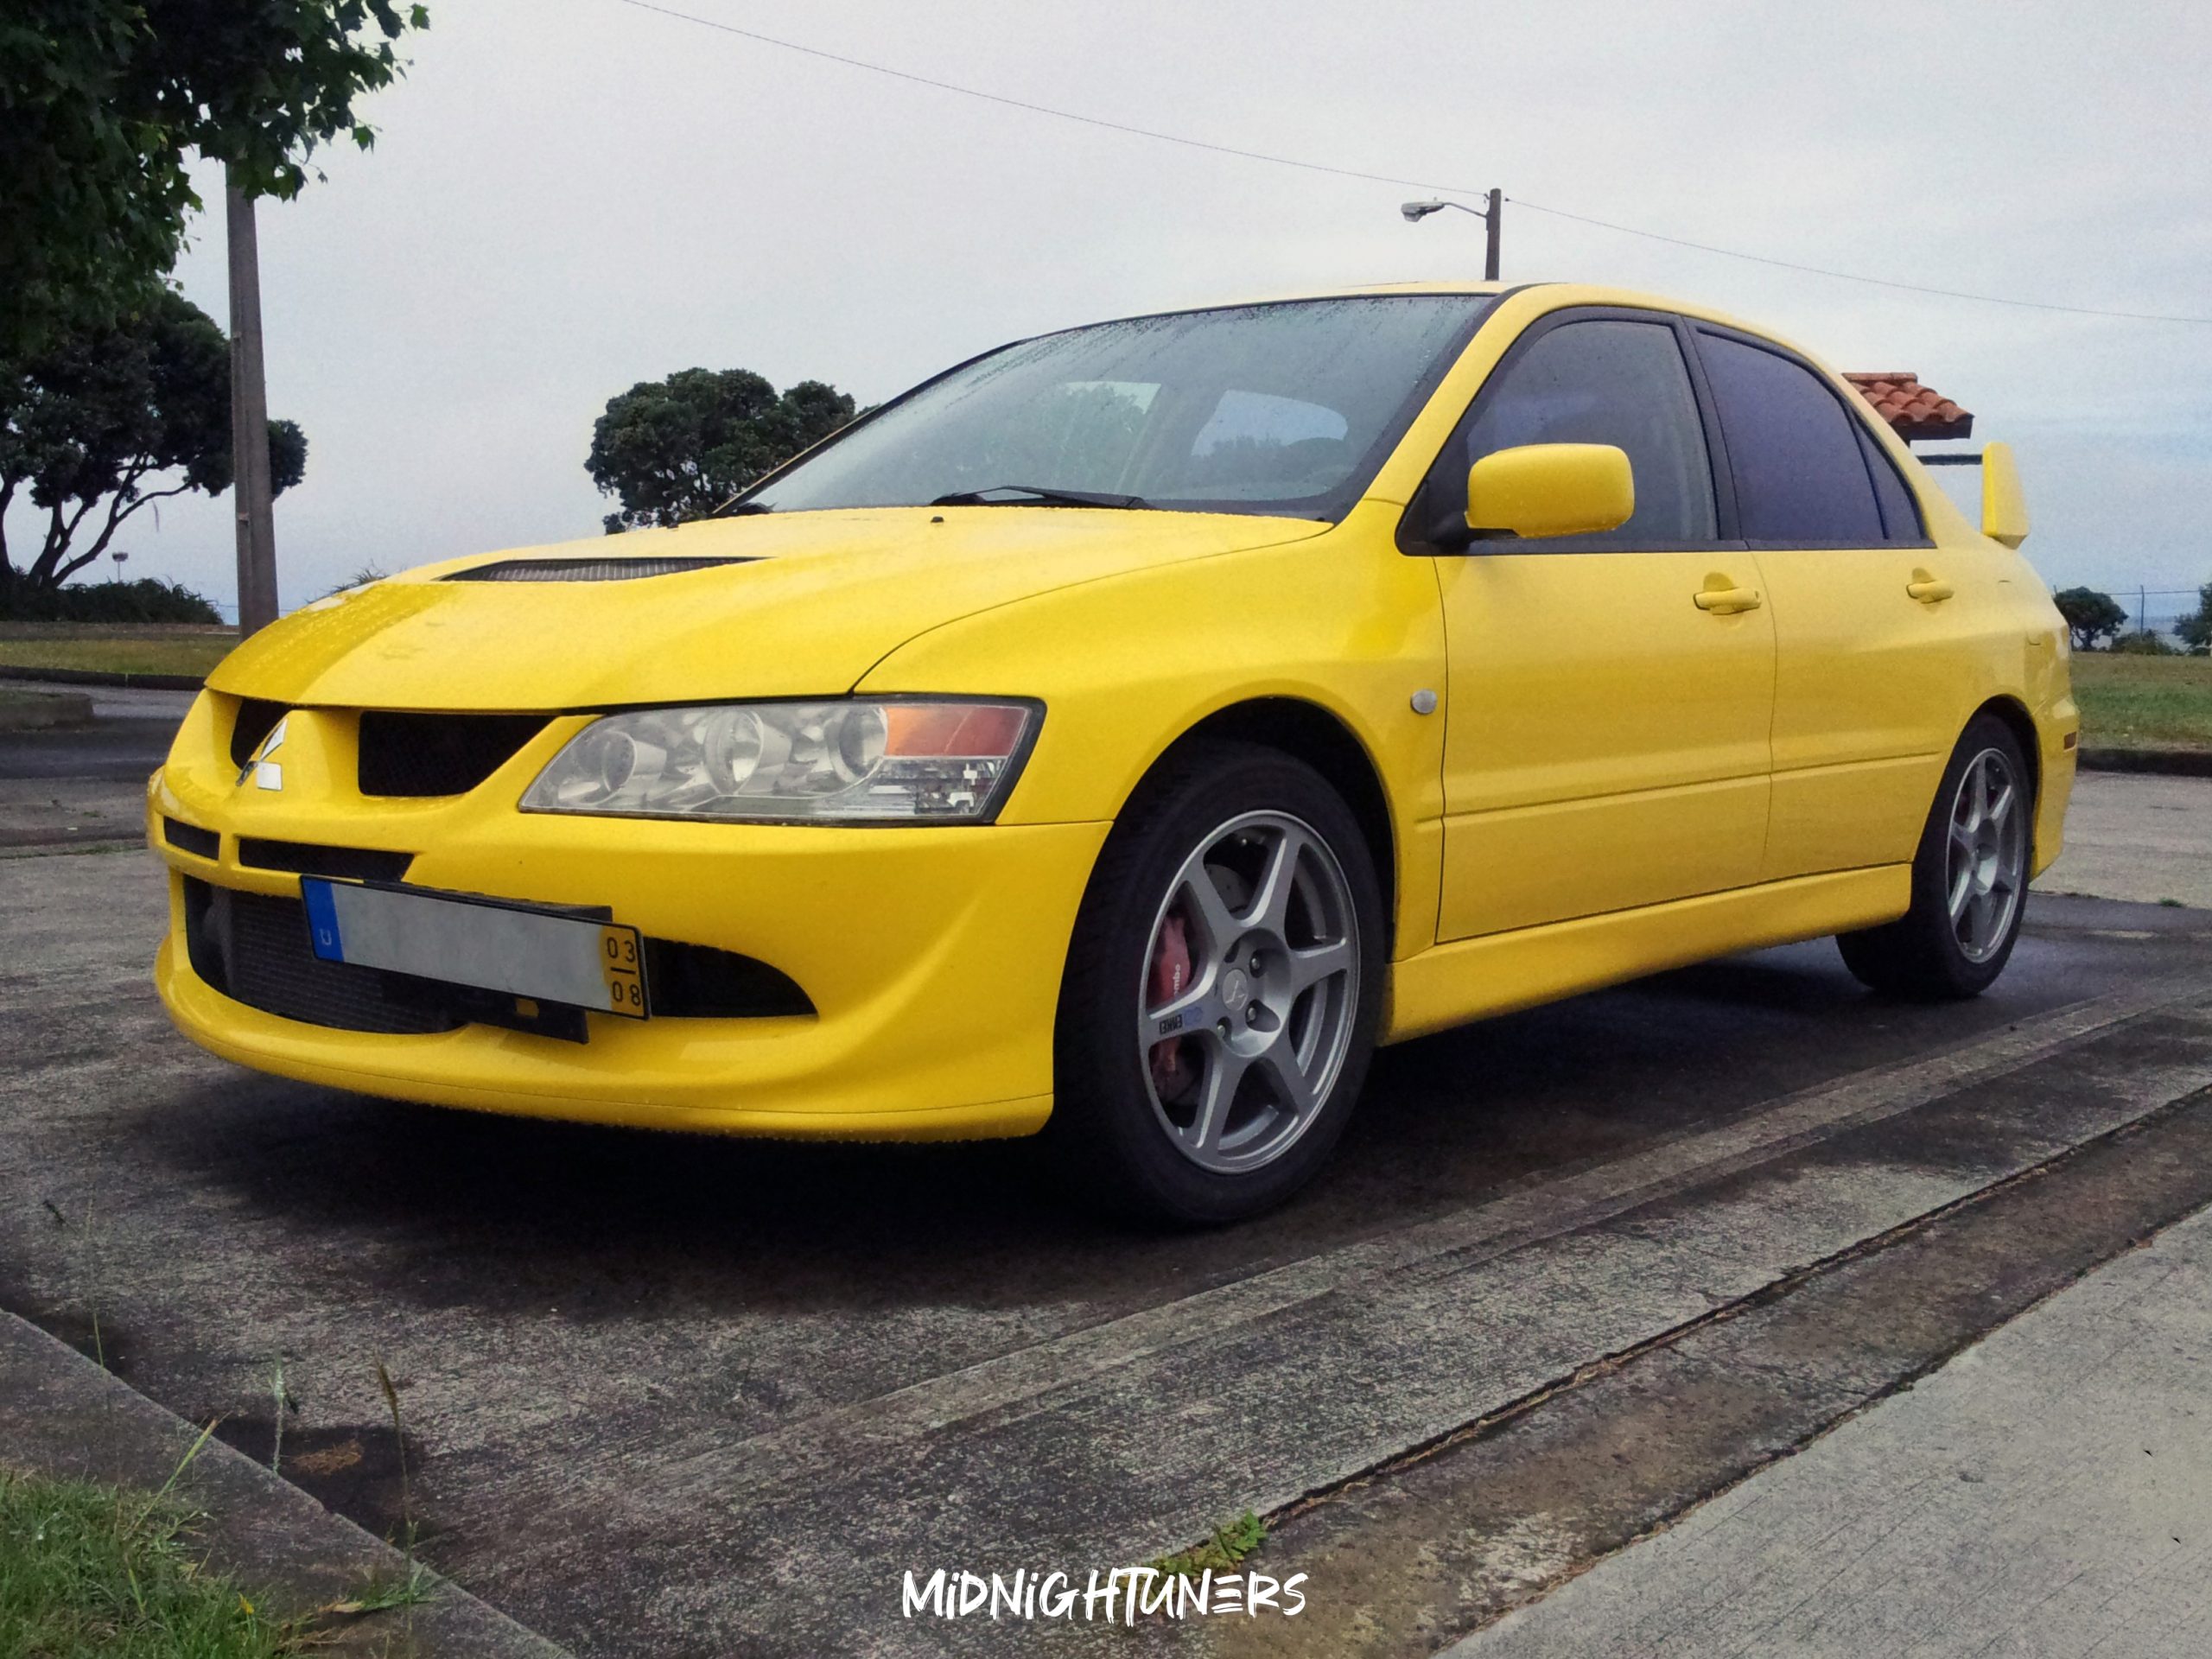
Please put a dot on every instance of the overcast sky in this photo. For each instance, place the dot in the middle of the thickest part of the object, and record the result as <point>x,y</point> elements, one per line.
<point>568,196</point>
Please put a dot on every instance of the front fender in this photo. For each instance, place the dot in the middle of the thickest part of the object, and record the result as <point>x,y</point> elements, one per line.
<point>1127,664</point>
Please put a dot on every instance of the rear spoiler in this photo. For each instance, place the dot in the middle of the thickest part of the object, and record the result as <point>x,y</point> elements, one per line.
<point>2004,509</point>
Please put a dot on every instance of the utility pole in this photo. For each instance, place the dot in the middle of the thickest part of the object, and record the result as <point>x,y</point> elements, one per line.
<point>257,528</point>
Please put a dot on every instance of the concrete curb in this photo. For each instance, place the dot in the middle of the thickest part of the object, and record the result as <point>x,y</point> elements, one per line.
<point>100,677</point>
<point>51,709</point>
<point>2176,763</point>
<point>63,1417</point>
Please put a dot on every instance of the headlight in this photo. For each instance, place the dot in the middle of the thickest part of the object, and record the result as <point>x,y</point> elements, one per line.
<point>932,762</point>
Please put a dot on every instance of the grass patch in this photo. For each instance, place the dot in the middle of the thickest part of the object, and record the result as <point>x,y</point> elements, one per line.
<point>1232,1542</point>
<point>114,650</point>
<point>87,1569</point>
<point>410,1586</point>
<point>2143,702</point>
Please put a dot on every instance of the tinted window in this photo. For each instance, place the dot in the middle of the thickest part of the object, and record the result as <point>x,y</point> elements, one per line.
<point>1900,517</point>
<point>1258,408</point>
<point>1800,475</point>
<point>1604,381</point>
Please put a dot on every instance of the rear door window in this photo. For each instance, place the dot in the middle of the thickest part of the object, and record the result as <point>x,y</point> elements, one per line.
<point>1606,380</point>
<point>1900,514</point>
<point>1801,475</point>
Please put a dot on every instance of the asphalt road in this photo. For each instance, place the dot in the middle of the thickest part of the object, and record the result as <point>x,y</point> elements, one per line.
<point>671,1395</point>
<point>127,741</point>
<point>86,786</point>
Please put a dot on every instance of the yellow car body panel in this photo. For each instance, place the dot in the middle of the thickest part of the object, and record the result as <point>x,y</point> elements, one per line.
<point>807,605</point>
<point>1562,764</point>
<point>1594,797</point>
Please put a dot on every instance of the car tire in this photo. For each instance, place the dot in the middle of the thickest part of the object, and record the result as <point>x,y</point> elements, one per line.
<point>1222,988</point>
<point>1969,878</point>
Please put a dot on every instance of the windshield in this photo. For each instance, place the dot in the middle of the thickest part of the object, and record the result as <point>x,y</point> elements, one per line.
<point>1286,407</point>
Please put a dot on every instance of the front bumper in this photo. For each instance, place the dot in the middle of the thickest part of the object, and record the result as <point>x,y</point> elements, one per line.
<point>932,956</point>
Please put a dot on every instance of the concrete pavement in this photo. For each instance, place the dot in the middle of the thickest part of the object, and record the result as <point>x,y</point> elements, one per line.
<point>680,1396</point>
<point>2136,836</point>
<point>2047,1494</point>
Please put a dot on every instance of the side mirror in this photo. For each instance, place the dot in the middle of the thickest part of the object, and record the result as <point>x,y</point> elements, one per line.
<point>2004,509</point>
<point>1551,489</point>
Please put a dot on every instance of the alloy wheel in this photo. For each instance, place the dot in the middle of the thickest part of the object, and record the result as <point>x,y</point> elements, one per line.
<point>1249,991</point>
<point>1988,855</point>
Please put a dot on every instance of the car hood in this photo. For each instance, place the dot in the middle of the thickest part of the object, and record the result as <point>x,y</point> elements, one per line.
<point>813,602</point>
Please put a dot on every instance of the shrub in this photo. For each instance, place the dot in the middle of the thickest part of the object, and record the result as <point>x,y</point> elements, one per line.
<point>2143,643</point>
<point>147,599</point>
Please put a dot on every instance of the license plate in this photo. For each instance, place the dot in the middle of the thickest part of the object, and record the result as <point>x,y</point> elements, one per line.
<point>548,956</point>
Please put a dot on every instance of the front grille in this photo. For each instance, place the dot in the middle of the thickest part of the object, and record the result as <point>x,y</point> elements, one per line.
<point>309,858</point>
<point>584,569</point>
<point>254,950</point>
<point>257,718</point>
<point>190,838</point>
<point>437,754</point>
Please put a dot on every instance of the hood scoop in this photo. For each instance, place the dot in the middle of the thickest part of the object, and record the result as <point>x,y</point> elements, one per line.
<point>583,570</point>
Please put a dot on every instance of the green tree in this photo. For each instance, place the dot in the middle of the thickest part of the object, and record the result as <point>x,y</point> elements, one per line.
<point>126,414</point>
<point>677,449</point>
<point>2195,630</point>
<point>103,101</point>
<point>2090,616</point>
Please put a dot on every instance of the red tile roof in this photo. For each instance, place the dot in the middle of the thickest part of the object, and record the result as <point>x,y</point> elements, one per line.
<point>1916,410</point>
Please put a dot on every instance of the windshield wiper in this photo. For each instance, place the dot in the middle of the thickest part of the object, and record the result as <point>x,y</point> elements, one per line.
<point>735,509</point>
<point>1028,495</point>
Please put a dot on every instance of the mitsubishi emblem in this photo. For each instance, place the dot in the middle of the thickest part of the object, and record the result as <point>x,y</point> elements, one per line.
<point>265,772</point>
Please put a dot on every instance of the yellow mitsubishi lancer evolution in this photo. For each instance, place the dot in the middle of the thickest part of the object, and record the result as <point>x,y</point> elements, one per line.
<point>1121,733</point>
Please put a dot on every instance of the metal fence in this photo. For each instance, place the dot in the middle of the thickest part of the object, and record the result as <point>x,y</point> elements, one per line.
<point>2158,609</point>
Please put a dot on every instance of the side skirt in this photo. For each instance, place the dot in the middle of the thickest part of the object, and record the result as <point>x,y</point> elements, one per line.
<point>1468,979</point>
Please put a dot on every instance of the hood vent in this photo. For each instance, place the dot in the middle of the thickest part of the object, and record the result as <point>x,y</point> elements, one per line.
<point>583,570</point>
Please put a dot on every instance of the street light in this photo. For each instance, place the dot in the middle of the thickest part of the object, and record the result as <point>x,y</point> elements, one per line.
<point>1417,211</point>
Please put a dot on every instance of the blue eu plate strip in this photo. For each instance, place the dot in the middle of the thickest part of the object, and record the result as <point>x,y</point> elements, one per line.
<point>322,919</point>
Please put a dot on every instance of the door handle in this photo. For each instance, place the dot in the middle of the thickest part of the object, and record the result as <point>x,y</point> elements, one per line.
<point>1726,601</point>
<point>1927,589</point>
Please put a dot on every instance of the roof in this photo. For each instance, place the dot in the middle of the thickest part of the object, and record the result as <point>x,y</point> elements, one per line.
<point>1916,410</point>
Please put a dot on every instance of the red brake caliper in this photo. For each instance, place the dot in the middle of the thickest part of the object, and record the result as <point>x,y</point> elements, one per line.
<point>1171,973</point>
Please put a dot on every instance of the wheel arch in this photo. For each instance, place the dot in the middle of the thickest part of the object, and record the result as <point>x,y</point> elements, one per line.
<point>2022,724</point>
<point>1308,732</point>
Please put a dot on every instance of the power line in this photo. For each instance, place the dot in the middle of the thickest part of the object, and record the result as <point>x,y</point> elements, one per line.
<point>1854,277</point>
<point>1159,136</point>
<point>1035,109</point>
